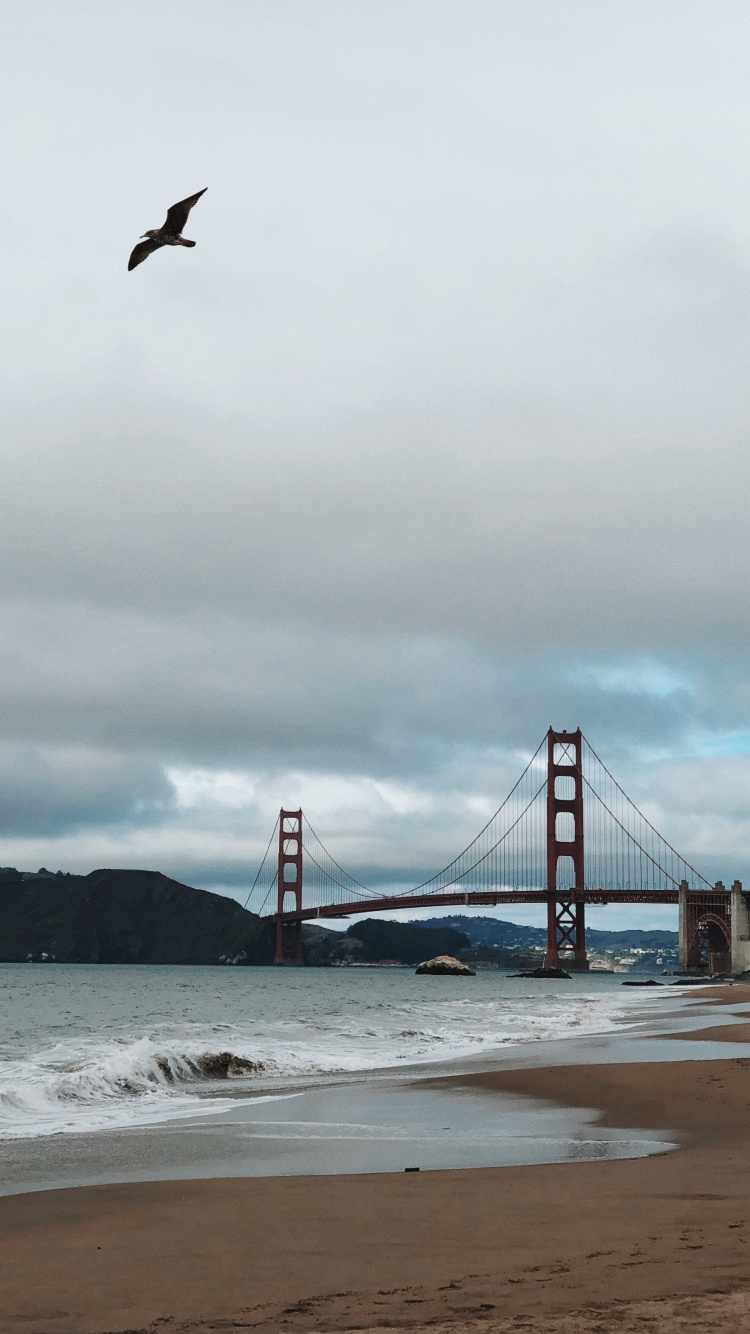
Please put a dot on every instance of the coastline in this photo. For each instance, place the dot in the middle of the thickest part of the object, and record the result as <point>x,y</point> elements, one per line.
<point>363,1109</point>
<point>469,1248</point>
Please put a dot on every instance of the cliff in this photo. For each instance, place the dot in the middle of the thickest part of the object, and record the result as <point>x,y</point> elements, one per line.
<point>125,917</point>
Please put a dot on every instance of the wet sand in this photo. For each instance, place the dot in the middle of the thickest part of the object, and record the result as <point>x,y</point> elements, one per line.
<point>720,1033</point>
<point>726,997</point>
<point>630,1244</point>
<point>365,1126</point>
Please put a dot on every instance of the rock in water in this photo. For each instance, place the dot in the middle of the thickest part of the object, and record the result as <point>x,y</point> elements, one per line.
<point>544,972</point>
<point>445,964</point>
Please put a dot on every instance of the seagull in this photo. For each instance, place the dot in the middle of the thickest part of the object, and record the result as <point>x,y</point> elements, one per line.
<point>169,234</point>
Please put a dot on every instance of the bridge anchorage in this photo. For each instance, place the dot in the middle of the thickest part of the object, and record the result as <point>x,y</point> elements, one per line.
<point>566,836</point>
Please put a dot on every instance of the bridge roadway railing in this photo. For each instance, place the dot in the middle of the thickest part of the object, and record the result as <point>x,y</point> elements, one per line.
<point>482,899</point>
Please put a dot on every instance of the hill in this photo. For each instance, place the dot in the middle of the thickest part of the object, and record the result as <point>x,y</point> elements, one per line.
<point>509,936</point>
<point>405,941</point>
<point>125,917</point>
<point>375,941</point>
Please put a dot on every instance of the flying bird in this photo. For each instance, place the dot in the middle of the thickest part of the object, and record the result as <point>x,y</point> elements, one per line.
<point>169,234</point>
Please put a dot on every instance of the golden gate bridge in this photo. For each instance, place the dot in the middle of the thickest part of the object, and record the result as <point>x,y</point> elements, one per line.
<point>566,835</point>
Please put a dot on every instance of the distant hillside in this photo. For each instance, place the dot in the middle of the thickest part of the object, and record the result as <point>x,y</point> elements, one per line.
<point>509,936</point>
<point>637,940</point>
<point>125,917</point>
<point>404,941</point>
<point>372,940</point>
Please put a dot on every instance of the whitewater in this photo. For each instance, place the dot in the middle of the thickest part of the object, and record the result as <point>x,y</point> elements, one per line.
<point>89,1048</point>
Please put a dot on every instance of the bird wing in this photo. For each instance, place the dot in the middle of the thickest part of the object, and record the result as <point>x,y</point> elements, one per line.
<point>177,215</point>
<point>142,251</point>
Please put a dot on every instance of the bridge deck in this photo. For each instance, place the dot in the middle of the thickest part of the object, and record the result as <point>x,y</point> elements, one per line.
<point>482,899</point>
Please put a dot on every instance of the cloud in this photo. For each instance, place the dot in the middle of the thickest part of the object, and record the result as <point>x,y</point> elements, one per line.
<point>634,678</point>
<point>513,526</point>
<point>437,437</point>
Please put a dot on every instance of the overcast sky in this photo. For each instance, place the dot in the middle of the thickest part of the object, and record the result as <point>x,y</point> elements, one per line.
<point>439,436</point>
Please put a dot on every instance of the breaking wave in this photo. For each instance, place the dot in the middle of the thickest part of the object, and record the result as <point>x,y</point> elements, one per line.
<point>116,1083</point>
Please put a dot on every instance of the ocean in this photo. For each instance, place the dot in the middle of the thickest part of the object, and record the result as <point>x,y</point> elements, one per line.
<point>86,1049</point>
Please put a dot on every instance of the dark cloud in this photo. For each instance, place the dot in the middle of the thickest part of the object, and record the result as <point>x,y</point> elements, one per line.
<point>48,791</point>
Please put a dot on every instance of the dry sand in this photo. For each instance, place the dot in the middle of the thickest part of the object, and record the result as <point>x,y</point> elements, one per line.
<point>659,1244</point>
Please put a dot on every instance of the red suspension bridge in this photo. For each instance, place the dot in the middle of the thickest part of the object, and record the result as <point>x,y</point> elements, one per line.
<point>565,836</point>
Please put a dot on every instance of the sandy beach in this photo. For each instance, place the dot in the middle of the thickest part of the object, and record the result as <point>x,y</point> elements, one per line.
<point>661,1243</point>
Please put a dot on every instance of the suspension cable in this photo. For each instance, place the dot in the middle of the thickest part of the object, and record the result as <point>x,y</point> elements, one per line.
<point>643,817</point>
<point>332,859</point>
<point>270,892</point>
<point>500,808</point>
<point>260,868</point>
<point>333,879</point>
<point>484,855</point>
<point>640,846</point>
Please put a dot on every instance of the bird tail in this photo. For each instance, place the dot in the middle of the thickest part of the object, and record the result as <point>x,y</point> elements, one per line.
<point>184,242</point>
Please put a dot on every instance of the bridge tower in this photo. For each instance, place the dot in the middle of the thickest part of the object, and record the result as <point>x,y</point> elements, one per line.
<point>711,928</point>
<point>566,922</point>
<point>289,881</point>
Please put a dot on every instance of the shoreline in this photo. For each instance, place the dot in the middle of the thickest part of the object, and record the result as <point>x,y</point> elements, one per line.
<point>469,1248</point>
<point>356,1121</point>
<point>378,1120</point>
